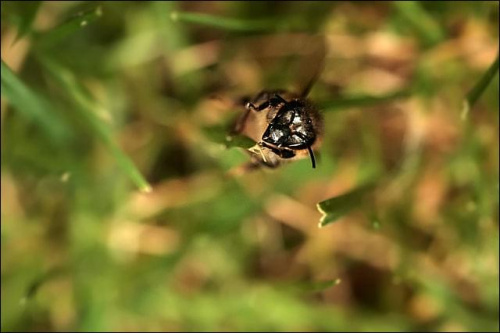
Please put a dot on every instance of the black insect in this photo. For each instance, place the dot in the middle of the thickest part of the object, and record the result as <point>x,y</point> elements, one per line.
<point>285,124</point>
<point>293,126</point>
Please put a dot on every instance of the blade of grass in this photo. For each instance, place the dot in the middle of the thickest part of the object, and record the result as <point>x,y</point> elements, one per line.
<point>32,105</point>
<point>425,25</point>
<point>364,100</point>
<point>336,207</point>
<point>89,111</point>
<point>43,279</point>
<point>30,9</point>
<point>226,23</point>
<point>69,27</point>
<point>479,88</point>
<point>219,134</point>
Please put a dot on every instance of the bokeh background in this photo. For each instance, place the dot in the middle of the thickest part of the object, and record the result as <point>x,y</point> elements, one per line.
<point>120,210</point>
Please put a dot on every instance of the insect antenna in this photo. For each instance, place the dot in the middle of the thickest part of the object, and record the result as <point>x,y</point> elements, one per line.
<point>311,155</point>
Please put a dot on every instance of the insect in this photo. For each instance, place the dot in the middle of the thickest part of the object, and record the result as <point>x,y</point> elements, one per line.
<point>292,127</point>
<point>284,124</point>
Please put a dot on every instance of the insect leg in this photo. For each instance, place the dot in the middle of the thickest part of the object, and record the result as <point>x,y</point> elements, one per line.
<point>280,151</point>
<point>311,154</point>
<point>250,106</point>
<point>276,99</point>
<point>273,101</point>
<point>267,94</point>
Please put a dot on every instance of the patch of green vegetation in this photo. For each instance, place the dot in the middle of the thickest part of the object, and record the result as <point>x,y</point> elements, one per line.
<point>126,207</point>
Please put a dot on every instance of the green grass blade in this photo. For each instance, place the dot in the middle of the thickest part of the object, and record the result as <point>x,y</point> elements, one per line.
<point>30,9</point>
<point>364,100</point>
<point>32,105</point>
<point>220,134</point>
<point>226,23</point>
<point>88,110</point>
<point>336,207</point>
<point>35,286</point>
<point>479,88</point>
<point>69,27</point>
<point>424,24</point>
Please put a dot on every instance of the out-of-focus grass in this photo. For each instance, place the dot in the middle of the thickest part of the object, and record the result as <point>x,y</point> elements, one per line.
<point>224,23</point>
<point>428,29</point>
<point>68,27</point>
<point>360,101</point>
<point>89,112</point>
<point>99,101</point>
<point>479,88</point>
<point>34,106</point>
<point>336,207</point>
<point>26,15</point>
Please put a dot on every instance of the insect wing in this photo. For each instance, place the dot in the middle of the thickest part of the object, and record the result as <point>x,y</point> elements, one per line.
<point>310,65</point>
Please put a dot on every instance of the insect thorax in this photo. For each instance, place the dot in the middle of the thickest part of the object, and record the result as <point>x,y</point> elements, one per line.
<point>291,127</point>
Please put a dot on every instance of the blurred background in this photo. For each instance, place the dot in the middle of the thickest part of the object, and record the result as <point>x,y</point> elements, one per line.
<point>119,210</point>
